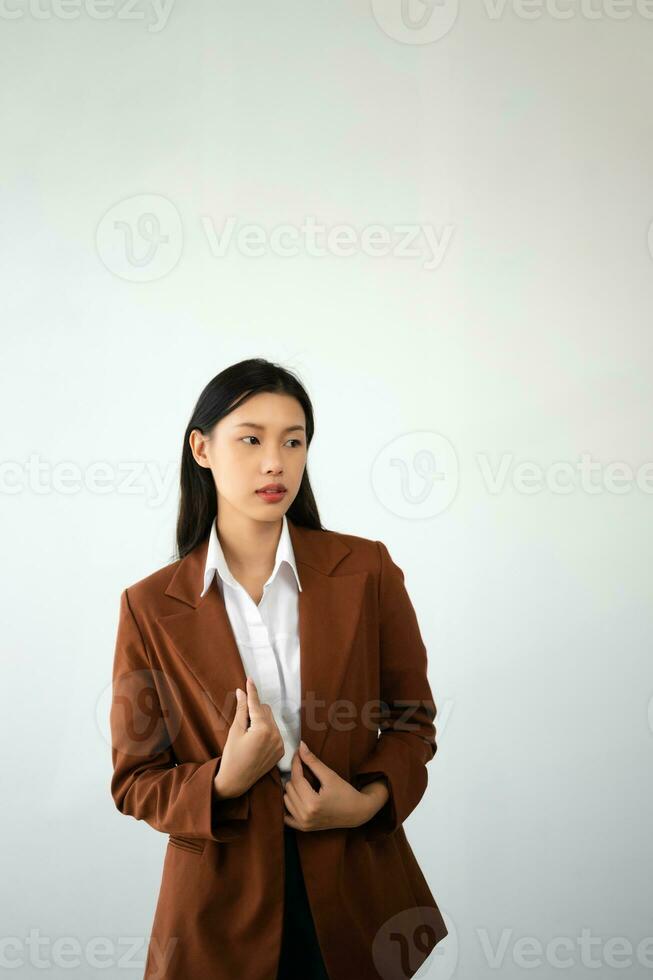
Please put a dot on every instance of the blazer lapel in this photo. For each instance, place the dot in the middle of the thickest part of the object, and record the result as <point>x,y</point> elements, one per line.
<point>330,607</point>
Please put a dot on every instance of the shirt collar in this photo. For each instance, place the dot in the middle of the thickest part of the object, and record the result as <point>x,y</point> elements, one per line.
<point>216,562</point>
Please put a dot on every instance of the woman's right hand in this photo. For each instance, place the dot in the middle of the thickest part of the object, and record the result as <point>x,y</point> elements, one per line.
<point>249,752</point>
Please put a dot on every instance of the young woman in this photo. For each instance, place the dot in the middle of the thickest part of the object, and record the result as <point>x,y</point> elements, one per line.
<point>272,715</point>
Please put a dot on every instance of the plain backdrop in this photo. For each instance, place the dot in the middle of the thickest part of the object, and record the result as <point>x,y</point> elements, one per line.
<point>483,408</point>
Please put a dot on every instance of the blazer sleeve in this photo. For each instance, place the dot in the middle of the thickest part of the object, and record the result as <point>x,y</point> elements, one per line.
<point>406,743</point>
<point>147,782</point>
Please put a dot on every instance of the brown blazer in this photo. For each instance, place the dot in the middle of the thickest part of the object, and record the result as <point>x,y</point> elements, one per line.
<point>363,668</point>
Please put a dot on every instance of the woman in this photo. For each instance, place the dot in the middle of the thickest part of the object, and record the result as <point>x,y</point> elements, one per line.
<point>251,678</point>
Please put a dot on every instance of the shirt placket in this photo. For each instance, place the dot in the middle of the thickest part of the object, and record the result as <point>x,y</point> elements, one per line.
<point>266,661</point>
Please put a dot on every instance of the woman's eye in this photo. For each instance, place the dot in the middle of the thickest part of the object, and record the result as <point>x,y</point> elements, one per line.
<point>297,441</point>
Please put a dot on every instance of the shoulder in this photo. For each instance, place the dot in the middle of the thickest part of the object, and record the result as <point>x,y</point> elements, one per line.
<point>386,577</point>
<point>367,554</point>
<point>356,543</point>
<point>150,587</point>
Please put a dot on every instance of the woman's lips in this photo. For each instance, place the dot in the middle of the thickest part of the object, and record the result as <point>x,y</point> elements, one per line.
<point>271,496</point>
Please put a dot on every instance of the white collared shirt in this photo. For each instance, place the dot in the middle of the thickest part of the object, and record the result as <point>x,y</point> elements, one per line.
<point>267,635</point>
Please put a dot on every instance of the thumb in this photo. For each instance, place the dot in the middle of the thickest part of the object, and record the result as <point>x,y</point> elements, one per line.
<point>241,716</point>
<point>316,765</point>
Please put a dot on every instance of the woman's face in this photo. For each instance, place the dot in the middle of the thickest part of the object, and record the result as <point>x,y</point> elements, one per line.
<point>262,441</point>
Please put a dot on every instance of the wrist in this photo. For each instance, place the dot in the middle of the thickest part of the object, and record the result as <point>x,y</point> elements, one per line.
<point>376,796</point>
<point>221,789</point>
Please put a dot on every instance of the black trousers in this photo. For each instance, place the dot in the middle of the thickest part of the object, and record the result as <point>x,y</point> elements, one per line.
<point>301,958</point>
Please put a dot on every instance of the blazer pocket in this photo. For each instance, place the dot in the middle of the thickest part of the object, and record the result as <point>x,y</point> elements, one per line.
<point>194,844</point>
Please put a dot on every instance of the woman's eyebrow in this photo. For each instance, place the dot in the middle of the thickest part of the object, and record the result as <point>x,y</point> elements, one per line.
<point>255,425</point>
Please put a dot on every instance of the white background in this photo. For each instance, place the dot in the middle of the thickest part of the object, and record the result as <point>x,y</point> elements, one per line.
<point>529,138</point>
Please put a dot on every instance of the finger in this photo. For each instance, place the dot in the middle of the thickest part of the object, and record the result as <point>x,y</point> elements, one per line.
<point>297,777</point>
<point>298,784</point>
<point>291,805</point>
<point>296,771</point>
<point>253,700</point>
<point>240,718</point>
<point>316,765</point>
<point>294,798</point>
<point>289,822</point>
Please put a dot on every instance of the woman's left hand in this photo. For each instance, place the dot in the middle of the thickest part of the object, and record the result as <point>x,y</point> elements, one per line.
<point>336,804</point>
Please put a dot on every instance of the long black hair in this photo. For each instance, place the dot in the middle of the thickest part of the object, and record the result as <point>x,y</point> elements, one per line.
<point>198,504</point>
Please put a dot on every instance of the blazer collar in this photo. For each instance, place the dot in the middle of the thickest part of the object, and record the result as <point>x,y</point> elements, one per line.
<point>329,610</point>
<point>319,550</point>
